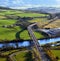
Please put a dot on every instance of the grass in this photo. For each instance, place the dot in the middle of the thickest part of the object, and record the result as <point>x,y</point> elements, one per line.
<point>21,13</point>
<point>7,22</point>
<point>38,20</point>
<point>38,35</point>
<point>23,56</point>
<point>2,59</point>
<point>12,33</point>
<point>8,12</point>
<point>9,52</point>
<point>8,33</point>
<point>30,14</point>
<point>24,35</point>
<point>56,53</point>
<point>54,24</point>
<point>6,53</point>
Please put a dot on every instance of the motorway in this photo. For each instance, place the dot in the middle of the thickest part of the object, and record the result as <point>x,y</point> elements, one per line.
<point>50,32</point>
<point>40,49</point>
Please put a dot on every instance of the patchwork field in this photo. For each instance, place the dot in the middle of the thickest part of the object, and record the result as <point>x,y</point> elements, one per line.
<point>54,24</point>
<point>23,56</point>
<point>14,32</point>
<point>9,32</point>
<point>20,13</point>
<point>6,53</point>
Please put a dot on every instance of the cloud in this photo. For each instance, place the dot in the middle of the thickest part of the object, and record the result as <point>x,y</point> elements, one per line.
<point>3,2</point>
<point>26,6</point>
<point>58,2</point>
<point>30,3</point>
<point>17,1</point>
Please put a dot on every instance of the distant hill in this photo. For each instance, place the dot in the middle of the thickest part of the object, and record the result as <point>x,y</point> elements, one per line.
<point>45,9</point>
<point>5,8</point>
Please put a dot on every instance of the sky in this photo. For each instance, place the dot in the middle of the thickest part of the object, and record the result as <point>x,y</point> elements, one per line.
<point>22,4</point>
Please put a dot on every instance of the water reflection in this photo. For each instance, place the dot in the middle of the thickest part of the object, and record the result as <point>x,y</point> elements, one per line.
<point>20,44</point>
<point>27,43</point>
<point>44,41</point>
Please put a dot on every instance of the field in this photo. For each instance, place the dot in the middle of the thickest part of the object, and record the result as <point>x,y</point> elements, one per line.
<point>38,20</point>
<point>2,59</point>
<point>56,53</point>
<point>23,56</point>
<point>54,24</point>
<point>11,33</point>
<point>21,13</point>
<point>15,32</point>
<point>19,56</point>
<point>8,33</point>
<point>6,53</point>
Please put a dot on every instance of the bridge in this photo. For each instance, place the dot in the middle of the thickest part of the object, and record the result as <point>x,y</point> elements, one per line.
<point>45,54</point>
<point>40,49</point>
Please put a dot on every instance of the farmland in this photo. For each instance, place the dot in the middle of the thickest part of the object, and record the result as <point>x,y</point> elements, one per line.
<point>2,59</point>
<point>23,56</point>
<point>11,33</point>
<point>56,53</point>
<point>13,27</point>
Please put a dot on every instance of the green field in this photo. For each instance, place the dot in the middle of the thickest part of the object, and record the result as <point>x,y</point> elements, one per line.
<point>2,59</point>
<point>38,20</point>
<point>23,56</point>
<point>8,52</point>
<point>21,13</point>
<point>8,33</point>
<point>16,32</point>
<point>56,53</point>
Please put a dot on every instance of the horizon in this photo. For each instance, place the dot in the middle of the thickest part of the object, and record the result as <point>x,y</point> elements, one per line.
<point>23,4</point>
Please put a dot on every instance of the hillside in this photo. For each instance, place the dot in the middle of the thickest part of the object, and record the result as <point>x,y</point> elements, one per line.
<point>54,24</point>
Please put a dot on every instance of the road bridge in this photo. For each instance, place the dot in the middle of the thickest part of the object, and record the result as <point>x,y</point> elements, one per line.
<point>40,49</point>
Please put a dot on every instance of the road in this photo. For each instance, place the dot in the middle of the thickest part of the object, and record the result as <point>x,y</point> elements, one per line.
<point>50,32</point>
<point>40,49</point>
<point>14,54</point>
<point>50,21</point>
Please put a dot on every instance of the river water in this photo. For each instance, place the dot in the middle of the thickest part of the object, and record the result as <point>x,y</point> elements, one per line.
<point>44,41</point>
<point>27,43</point>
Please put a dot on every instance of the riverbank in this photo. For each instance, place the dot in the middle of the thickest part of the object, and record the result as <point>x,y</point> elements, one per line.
<point>14,41</point>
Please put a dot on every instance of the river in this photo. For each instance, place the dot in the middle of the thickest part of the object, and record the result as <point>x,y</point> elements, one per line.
<point>27,43</point>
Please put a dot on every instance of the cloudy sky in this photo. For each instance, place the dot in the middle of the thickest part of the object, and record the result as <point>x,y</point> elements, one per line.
<point>29,3</point>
